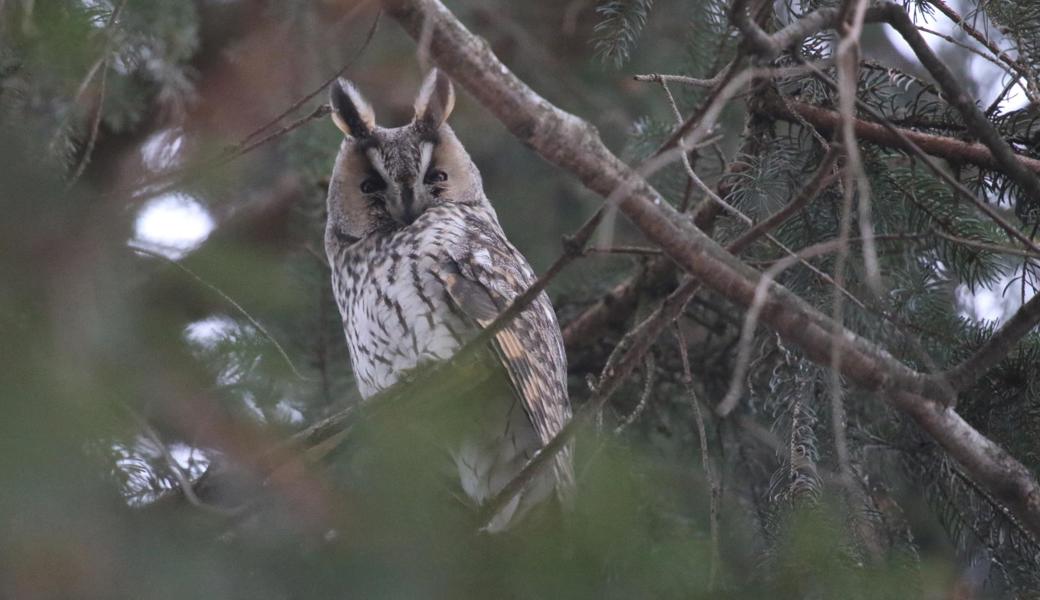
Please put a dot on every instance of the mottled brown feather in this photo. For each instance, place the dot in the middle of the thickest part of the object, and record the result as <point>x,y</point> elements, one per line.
<point>530,347</point>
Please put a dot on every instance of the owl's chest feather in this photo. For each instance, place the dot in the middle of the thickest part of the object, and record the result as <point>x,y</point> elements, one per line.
<point>396,313</point>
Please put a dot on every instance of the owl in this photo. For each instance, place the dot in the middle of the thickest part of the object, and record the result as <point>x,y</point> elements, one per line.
<point>419,265</point>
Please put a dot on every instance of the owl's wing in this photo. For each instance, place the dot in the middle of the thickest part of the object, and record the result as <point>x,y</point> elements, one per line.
<point>530,348</point>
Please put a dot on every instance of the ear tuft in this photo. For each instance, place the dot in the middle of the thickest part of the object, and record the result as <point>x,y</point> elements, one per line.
<point>351,113</point>
<point>435,100</point>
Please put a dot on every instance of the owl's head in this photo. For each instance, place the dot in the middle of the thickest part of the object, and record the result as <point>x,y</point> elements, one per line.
<point>386,178</point>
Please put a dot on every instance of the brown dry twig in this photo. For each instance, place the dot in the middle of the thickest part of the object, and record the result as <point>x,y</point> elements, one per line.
<point>101,64</point>
<point>649,377</point>
<point>956,95</point>
<point>165,182</point>
<point>238,307</point>
<point>95,128</point>
<point>828,121</point>
<point>715,486</point>
<point>942,174</point>
<point>168,181</point>
<point>1031,88</point>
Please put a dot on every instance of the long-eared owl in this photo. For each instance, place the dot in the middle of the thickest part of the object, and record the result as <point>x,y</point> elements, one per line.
<point>419,265</point>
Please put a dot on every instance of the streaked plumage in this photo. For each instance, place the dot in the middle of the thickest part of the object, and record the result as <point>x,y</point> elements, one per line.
<point>419,265</point>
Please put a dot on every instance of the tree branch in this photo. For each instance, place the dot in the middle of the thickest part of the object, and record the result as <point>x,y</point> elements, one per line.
<point>951,149</point>
<point>769,46</point>
<point>956,95</point>
<point>569,142</point>
<point>996,347</point>
<point>618,304</point>
<point>1020,67</point>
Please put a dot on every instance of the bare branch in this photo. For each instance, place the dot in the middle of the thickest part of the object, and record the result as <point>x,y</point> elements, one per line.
<point>238,307</point>
<point>1020,67</point>
<point>95,128</point>
<point>997,346</point>
<point>947,148</point>
<point>715,486</point>
<point>956,95</point>
<point>166,181</point>
<point>683,79</point>
<point>573,144</point>
<point>649,375</point>
<point>941,173</point>
<point>318,89</point>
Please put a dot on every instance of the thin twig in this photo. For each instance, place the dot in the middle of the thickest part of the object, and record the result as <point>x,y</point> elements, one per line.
<point>996,248</point>
<point>183,480</point>
<point>252,320</point>
<point>320,88</point>
<point>933,166</point>
<point>168,181</point>
<point>1019,66</point>
<point>729,401</point>
<point>683,79</point>
<point>102,61</point>
<point>638,250</point>
<point>715,486</point>
<point>975,51</point>
<point>993,106</point>
<point>847,61</point>
<point>95,127</point>
<point>649,375</point>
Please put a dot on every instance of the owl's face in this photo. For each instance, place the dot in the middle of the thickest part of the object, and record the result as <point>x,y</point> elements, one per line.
<point>386,178</point>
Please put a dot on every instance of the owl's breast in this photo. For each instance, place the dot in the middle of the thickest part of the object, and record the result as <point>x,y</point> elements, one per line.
<point>396,314</point>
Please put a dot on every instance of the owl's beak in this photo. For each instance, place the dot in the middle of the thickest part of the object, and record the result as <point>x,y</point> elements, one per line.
<point>408,212</point>
<point>407,209</point>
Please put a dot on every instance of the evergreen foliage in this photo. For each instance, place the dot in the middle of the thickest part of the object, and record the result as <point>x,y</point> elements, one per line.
<point>621,24</point>
<point>127,371</point>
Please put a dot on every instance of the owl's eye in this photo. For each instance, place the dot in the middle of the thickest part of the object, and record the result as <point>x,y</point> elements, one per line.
<point>372,184</point>
<point>435,176</point>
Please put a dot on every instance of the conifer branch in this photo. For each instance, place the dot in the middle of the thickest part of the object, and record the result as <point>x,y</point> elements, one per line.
<point>997,347</point>
<point>947,148</point>
<point>956,95</point>
<point>574,145</point>
<point>1031,88</point>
